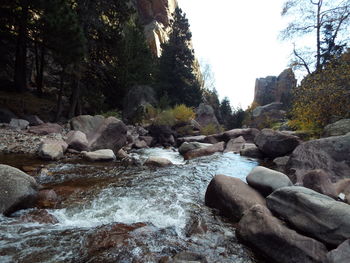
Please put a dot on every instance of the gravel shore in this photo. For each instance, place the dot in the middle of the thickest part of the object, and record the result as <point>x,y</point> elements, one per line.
<point>22,142</point>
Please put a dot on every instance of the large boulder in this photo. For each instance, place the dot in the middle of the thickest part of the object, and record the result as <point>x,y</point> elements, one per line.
<point>218,147</point>
<point>33,120</point>
<point>248,134</point>
<point>312,213</point>
<point>86,123</point>
<point>19,124</point>
<point>52,149</point>
<point>339,255</point>
<point>319,181</point>
<point>199,138</point>
<point>46,128</point>
<point>266,180</point>
<point>17,190</point>
<point>231,196</point>
<point>329,154</point>
<point>190,146</point>
<point>251,150</point>
<point>260,110</point>
<point>235,145</point>
<point>273,239</point>
<point>162,135</point>
<point>77,140</point>
<point>205,116</point>
<point>275,144</point>
<point>111,134</point>
<point>103,155</point>
<point>338,128</point>
<point>158,162</point>
<point>136,101</point>
<point>6,115</point>
<point>265,116</point>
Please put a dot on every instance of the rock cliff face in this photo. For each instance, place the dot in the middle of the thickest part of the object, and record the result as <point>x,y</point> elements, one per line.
<point>274,89</point>
<point>155,15</point>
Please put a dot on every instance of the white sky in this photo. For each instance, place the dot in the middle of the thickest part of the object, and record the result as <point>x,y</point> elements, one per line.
<point>239,39</point>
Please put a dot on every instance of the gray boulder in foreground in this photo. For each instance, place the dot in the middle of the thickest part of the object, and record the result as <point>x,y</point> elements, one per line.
<point>266,180</point>
<point>312,213</point>
<point>231,196</point>
<point>271,237</point>
<point>17,190</point>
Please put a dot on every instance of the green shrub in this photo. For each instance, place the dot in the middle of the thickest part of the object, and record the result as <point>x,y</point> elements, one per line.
<point>211,129</point>
<point>182,113</point>
<point>185,130</point>
<point>165,118</point>
<point>112,113</point>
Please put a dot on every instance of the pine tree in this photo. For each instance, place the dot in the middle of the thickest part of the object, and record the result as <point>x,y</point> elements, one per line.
<point>176,75</point>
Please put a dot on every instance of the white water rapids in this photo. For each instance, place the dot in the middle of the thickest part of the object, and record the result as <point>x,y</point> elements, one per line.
<point>165,198</point>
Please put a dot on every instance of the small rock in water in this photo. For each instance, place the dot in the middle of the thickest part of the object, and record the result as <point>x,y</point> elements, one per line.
<point>158,161</point>
<point>39,216</point>
<point>99,155</point>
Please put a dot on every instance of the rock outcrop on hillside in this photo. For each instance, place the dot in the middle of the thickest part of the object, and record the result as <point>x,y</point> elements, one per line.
<point>274,89</point>
<point>155,16</point>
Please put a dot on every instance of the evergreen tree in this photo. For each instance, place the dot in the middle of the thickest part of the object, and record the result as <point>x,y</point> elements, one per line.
<point>176,75</point>
<point>136,65</point>
<point>226,111</point>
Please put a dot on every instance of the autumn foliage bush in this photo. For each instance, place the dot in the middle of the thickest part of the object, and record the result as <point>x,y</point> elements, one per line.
<point>170,117</point>
<point>323,96</point>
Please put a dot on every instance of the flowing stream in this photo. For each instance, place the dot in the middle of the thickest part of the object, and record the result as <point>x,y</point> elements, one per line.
<point>169,202</point>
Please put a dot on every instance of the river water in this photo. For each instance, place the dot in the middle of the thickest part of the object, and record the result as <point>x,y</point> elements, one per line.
<point>169,202</point>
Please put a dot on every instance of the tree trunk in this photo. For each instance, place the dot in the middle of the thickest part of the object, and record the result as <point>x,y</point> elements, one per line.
<point>318,28</point>
<point>20,77</point>
<point>59,99</point>
<point>74,102</point>
<point>39,64</point>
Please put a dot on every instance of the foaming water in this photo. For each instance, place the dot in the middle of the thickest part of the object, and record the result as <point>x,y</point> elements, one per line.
<point>170,154</point>
<point>165,198</point>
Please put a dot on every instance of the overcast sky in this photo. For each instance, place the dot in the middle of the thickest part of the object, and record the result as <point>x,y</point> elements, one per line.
<point>239,39</point>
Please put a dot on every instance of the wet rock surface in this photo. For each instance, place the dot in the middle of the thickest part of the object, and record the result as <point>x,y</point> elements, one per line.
<point>276,241</point>
<point>204,151</point>
<point>231,196</point>
<point>158,162</point>
<point>17,190</point>
<point>312,213</point>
